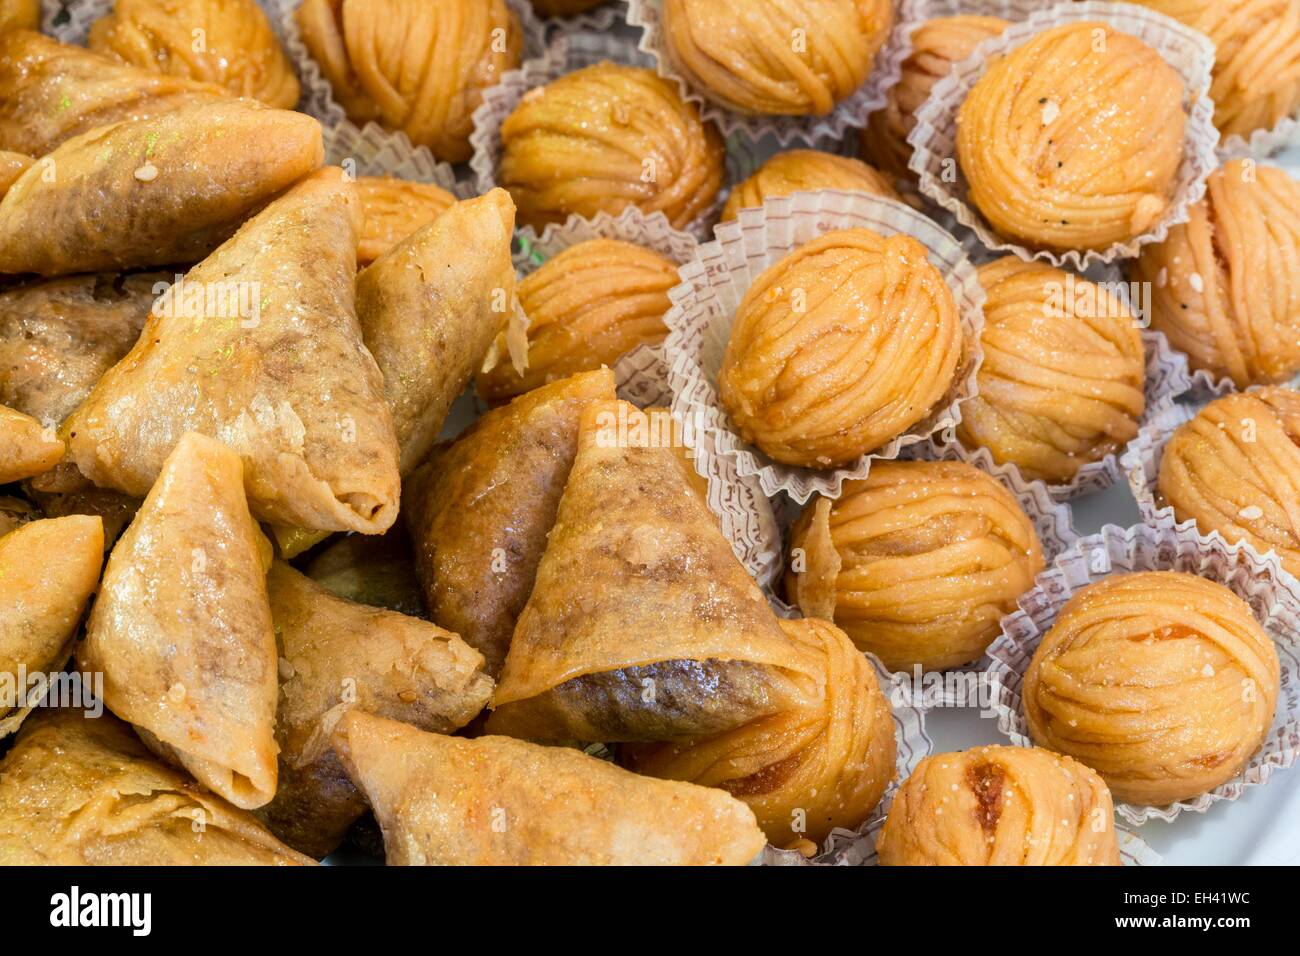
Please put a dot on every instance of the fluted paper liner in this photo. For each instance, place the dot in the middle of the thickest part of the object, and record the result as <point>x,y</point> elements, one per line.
<point>1189,52</point>
<point>602,18</point>
<point>704,306</point>
<point>1273,595</point>
<point>374,151</point>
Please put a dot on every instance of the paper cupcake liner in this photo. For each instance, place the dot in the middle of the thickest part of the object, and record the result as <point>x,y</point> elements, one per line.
<point>933,139</point>
<point>713,284</point>
<point>376,152</point>
<point>1262,143</point>
<point>604,17</point>
<point>1272,594</point>
<point>786,130</point>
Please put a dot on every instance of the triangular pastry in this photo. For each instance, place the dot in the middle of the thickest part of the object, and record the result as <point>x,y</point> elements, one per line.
<point>27,447</point>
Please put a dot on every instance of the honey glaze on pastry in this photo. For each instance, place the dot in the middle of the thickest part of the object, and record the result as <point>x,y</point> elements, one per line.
<point>393,209</point>
<point>1000,806</point>
<point>607,137</point>
<point>1063,372</point>
<point>841,346</point>
<point>1162,682</point>
<point>1235,469</point>
<point>1225,285</point>
<point>805,169</point>
<point>783,57</point>
<point>20,15</point>
<point>917,562</point>
<point>412,65</point>
<point>226,42</point>
<point>1073,140</point>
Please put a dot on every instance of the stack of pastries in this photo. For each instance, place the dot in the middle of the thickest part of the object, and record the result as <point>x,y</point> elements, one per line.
<point>240,506</point>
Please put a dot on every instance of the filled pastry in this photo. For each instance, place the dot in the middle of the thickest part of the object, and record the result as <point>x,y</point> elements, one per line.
<point>12,165</point>
<point>586,307</point>
<point>1162,682</point>
<point>841,346</point>
<point>113,509</point>
<point>496,801</point>
<point>374,569</point>
<point>225,42</point>
<point>607,137</point>
<point>20,15</point>
<point>642,625</point>
<point>797,170</point>
<point>1062,380</point>
<point>411,65</point>
<point>917,562</point>
<point>394,208</point>
<point>27,447</point>
<point>1000,806</point>
<point>1073,139</point>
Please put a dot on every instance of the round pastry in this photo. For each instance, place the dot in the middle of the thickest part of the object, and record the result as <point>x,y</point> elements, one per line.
<point>1073,140</point>
<point>1061,383</point>
<point>20,15</point>
<point>804,771</point>
<point>1225,285</point>
<point>586,307</point>
<point>917,562</point>
<point>564,8</point>
<point>1235,469</point>
<point>1162,682</point>
<point>841,346</point>
<point>604,138</point>
<point>805,169</point>
<point>226,42</point>
<point>411,65</point>
<point>937,45</point>
<point>394,208</point>
<point>776,56</point>
<point>1000,806</point>
<point>1257,58</point>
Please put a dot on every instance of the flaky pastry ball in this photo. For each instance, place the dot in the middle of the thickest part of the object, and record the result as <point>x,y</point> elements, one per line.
<point>917,562</point>
<point>1073,140</point>
<point>20,15</point>
<point>1235,469</point>
<point>412,65</point>
<point>1000,806</point>
<point>1225,286</point>
<point>839,347</point>
<point>604,138</point>
<point>1063,372</point>
<point>392,209</point>
<point>798,170</point>
<point>784,57</point>
<point>1162,682</point>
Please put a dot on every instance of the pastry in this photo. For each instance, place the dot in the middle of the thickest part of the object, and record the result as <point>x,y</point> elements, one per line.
<point>113,509</point>
<point>27,447</point>
<point>374,569</point>
<point>1000,806</point>
<point>844,344</point>
<point>1073,140</point>
<point>12,165</point>
<point>1162,682</point>
<point>588,306</point>
<point>917,562</point>
<point>797,170</point>
<point>394,208</point>
<point>20,15</point>
<point>607,137</point>
<point>1062,380</point>
<point>1224,286</point>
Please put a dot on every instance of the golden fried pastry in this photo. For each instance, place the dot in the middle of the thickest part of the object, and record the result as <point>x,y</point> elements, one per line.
<point>798,170</point>
<point>20,15</point>
<point>59,337</point>
<point>1235,469</point>
<point>12,165</point>
<point>495,801</point>
<point>15,513</point>
<point>806,770</point>
<point>225,42</point>
<point>1073,140</point>
<point>604,138</point>
<point>52,91</point>
<point>26,446</point>
<point>642,625</point>
<point>917,562</point>
<point>336,655</point>
<point>480,509</point>
<point>1162,682</point>
<point>776,56</point>
<point>163,190</point>
<point>182,630</point>
<point>430,309</point>
<point>938,44</point>
<point>78,790</point>
<point>1225,286</point>
<point>113,509</point>
<point>586,307</point>
<point>287,383</point>
<point>373,569</point>
<point>1257,58</point>
<point>411,65</point>
<point>564,8</point>
<point>1063,373</point>
<point>841,346</point>
<point>393,209</point>
<point>48,570</point>
<point>1000,806</point>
